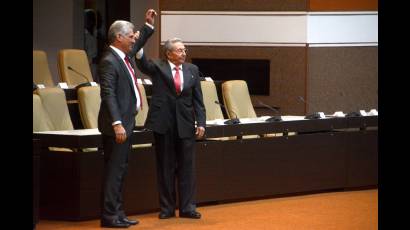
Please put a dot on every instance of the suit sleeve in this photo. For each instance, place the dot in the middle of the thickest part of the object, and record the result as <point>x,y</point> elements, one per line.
<point>197,99</point>
<point>145,33</point>
<point>108,81</point>
<point>146,66</point>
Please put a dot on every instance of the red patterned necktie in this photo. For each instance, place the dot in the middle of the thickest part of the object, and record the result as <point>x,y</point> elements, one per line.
<point>177,80</point>
<point>127,61</point>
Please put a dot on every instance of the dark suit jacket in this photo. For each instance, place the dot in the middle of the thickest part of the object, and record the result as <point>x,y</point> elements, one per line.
<point>118,102</point>
<point>166,106</point>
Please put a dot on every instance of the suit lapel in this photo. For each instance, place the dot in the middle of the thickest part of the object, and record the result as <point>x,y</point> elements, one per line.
<point>169,79</point>
<point>187,76</point>
<point>124,68</point>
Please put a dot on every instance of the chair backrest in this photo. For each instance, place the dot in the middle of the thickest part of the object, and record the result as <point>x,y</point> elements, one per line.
<point>41,70</point>
<point>55,104</point>
<point>89,101</point>
<point>237,99</point>
<point>78,61</point>
<point>210,95</point>
<point>142,114</point>
<point>41,120</point>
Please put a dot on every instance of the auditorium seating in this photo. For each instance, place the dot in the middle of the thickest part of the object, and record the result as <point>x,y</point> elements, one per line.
<point>41,121</point>
<point>89,101</point>
<point>55,105</point>
<point>237,101</point>
<point>80,71</point>
<point>50,112</point>
<point>41,71</point>
<point>142,114</point>
<point>213,110</point>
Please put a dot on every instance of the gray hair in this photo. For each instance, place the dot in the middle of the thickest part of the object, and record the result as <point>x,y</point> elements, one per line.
<point>169,44</point>
<point>119,27</point>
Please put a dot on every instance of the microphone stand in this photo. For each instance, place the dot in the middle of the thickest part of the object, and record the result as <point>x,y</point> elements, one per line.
<point>232,121</point>
<point>272,118</point>
<point>315,115</point>
<point>87,83</point>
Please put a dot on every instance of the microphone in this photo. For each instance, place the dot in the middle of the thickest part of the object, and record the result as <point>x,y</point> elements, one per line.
<point>273,118</point>
<point>87,83</point>
<point>230,121</point>
<point>315,115</point>
<point>354,114</point>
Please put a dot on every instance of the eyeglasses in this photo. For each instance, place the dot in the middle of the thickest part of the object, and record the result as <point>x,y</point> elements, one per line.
<point>181,50</point>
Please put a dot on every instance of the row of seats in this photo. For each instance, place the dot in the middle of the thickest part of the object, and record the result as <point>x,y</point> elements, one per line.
<point>89,101</point>
<point>73,62</point>
<point>76,59</point>
<point>56,116</point>
<point>235,94</point>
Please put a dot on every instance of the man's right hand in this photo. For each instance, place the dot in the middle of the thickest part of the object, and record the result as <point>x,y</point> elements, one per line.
<point>120,134</point>
<point>150,16</point>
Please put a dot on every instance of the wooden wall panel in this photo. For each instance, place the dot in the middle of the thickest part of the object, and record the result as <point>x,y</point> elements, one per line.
<point>342,78</point>
<point>287,71</point>
<point>233,5</point>
<point>345,5</point>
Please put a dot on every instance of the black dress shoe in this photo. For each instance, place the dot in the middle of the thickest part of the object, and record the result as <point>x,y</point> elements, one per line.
<point>166,215</point>
<point>114,224</point>
<point>131,222</point>
<point>192,215</point>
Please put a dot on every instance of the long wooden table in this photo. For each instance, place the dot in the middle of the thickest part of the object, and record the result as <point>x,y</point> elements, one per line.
<point>331,153</point>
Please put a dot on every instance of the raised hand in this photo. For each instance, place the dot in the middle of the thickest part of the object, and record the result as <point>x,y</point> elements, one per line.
<point>150,16</point>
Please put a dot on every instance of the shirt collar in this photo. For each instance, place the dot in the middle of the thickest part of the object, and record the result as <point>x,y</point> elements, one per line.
<point>119,52</point>
<point>173,65</point>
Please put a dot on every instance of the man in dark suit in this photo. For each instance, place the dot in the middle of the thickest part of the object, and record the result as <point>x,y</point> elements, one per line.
<point>120,102</point>
<point>176,104</point>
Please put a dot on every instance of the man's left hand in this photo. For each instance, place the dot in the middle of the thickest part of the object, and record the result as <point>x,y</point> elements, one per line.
<point>150,16</point>
<point>200,131</point>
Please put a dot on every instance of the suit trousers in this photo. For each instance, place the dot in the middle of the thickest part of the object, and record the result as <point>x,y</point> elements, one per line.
<point>175,161</point>
<point>115,169</point>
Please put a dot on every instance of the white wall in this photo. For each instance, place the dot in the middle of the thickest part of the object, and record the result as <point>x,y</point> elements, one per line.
<point>271,28</point>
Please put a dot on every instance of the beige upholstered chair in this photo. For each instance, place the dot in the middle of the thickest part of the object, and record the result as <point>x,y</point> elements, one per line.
<point>55,104</point>
<point>77,60</point>
<point>238,101</point>
<point>142,114</point>
<point>89,101</point>
<point>41,71</point>
<point>53,115</point>
<point>213,110</point>
<point>41,121</point>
